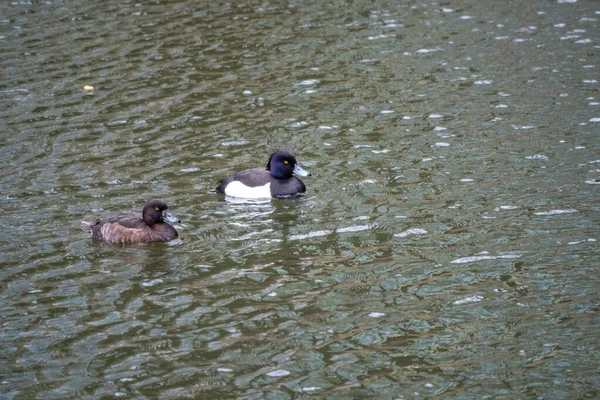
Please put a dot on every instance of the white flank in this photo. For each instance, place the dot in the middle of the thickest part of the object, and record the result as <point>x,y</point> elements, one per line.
<point>238,189</point>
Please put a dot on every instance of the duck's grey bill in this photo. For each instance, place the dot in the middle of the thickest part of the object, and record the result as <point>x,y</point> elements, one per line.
<point>301,172</point>
<point>167,216</point>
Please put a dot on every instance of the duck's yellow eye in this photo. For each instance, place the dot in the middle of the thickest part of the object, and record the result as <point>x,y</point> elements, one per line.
<point>157,209</point>
<point>286,162</point>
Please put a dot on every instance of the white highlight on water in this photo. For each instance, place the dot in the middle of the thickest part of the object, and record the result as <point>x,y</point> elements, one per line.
<point>466,260</point>
<point>423,51</point>
<point>583,241</point>
<point>279,372</point>
<point>376,314</point>
<point>298,124</point>
<point>471,299</point>
<point>308,82</point>
<point>234,143</point>
<point>556,212</point>
<point>517,127</point>
<point>309,389</point>
<point>152,283</point>
<point>356,228</point>
<point>310,234</point>
<point>119,122</point>
<point>506,208</point>
<point>412,231</point>
<point>381,36</point>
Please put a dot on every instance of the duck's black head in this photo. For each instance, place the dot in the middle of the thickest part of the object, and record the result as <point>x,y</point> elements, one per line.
<point>156,211</point>
<point>282,165</point>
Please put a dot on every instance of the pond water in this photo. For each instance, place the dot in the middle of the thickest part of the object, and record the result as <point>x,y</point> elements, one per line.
<point>447,248</point>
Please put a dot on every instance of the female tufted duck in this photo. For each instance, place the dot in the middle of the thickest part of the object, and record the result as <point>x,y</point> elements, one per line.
<point>276,180</point>
<point>128,229</point>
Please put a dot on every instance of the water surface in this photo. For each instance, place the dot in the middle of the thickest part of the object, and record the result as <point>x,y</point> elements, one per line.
<point>448,246</point>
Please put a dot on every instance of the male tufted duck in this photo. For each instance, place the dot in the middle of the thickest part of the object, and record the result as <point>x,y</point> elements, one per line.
<point>276,180</point>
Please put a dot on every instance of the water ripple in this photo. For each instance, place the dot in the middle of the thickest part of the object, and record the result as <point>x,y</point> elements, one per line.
<point>450,215</point>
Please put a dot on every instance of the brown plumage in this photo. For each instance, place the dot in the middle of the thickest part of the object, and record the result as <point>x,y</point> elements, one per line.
<point>128,229</point>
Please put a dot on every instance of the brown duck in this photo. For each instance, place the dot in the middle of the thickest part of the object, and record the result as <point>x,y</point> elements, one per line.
<point>128,229</point>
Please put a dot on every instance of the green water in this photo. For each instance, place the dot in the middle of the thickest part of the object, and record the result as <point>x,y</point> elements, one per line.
<point>447,248</point>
